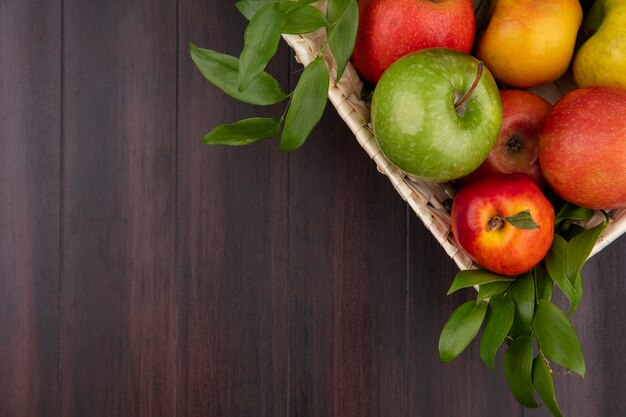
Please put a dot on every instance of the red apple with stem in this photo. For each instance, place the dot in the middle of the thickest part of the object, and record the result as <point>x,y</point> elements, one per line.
<point>583,147</point>
<point>517,148</point>
<point>390,29</point>
<point>504,222</point>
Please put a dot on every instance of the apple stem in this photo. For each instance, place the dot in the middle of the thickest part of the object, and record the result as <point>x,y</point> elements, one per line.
<point>495,223</point>
<point>461,103</point>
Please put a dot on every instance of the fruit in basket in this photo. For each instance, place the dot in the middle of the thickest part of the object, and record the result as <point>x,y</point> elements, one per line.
<point>504,222</point>
<point>436,114</point>
<point>583,147</point>
<point>601,60</point>
<point>530,42</point>
<point>517,147</point>
<point>390,29</point>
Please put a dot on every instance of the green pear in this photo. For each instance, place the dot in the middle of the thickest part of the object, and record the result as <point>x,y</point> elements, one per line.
<point>602,58</point>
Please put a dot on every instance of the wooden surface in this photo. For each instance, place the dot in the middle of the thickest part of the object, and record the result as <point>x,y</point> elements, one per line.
<point>145,274</point>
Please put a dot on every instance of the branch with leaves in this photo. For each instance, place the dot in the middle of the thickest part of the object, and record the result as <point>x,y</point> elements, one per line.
<point>245,79</point>
<point>519,312</point>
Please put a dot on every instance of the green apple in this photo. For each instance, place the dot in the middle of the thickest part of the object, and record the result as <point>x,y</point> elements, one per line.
<point>436,114</point>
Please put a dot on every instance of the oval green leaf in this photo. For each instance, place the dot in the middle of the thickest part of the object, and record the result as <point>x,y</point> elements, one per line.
<point>287,6</point>
<point>579,248</point>
<point>544,385</point>
<point>460,330</point>
<point>343,16</point>
<point>500,314</point>
<point>260,40</point>
<point>518,360</point>
<point>578,290</point>
<point>523,293</point>
<point>248,8</point>
<point>490,289</point>
<point>555,263</point>
<point>522,220</point>
<point>243,132</point>
<point>307,105</point>
<point>557,338</point>
<point>471,277</point>
<point>543,283</point>
<point>304,20</point>
<point>222,71</point>
<point>570,211</point>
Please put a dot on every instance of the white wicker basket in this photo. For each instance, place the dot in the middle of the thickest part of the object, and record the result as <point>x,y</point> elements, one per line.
<point>425,198</point>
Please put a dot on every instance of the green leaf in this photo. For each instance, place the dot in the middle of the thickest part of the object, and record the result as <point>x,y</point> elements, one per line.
<point>523,293</point>
<point>556,267</point>
<point>557,338</point>
<point>544,385</point>
<point>522,220</point>
<point>287,6</point>
<point>304,20</point>
<point>243,132</point>
<point>260,40</point>
<point>565,260</point>
<point>500,314</point>
<point>471,277</point>
<point>221,70</point>
<point>336,10</point>
<point>460,330</point>
<point>579,248</point>
<point>307,105</point>
<point>578,288</point>
<point>343,16</point>
<point>486,291</point>
<point>248,8</point>
<point>570,211</point>
<point>543,283</point>
<point>518,360</point>
<point>300,17</point>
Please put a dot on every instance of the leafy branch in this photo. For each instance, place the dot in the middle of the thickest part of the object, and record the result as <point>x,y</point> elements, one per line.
<point>244,78</point>
<point>519,312</point>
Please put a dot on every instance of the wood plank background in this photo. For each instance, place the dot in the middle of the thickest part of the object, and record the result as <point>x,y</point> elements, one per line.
<point>145,274</point>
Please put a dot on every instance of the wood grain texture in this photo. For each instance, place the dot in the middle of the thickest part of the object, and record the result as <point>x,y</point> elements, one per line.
<point>347,281</point>
<point>117,332</point>
<point>232,240</point>
<point>143,273</point>
<point>30,149</point>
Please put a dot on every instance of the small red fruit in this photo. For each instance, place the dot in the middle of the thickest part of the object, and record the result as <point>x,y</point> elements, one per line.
<point>517,149</point>
<point>490,221</point>
<point>583,147</point>
<point>390,29</point>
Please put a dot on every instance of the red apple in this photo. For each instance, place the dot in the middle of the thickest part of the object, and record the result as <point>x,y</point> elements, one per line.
<point>517,147</point>
<point>583,147</point>
<point>490,220</point>
<point>390,29</point>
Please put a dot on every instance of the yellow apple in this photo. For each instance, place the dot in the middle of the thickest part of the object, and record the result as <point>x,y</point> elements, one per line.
<point>602,58</point>
<point>530,42</point>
